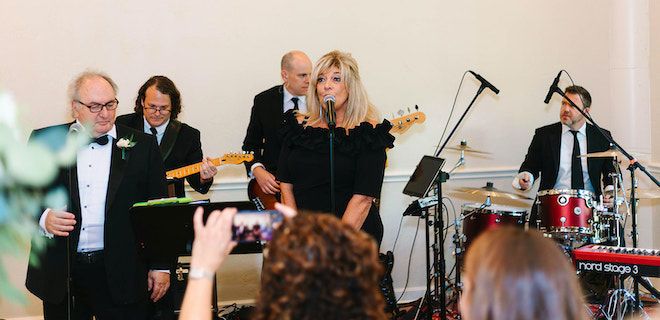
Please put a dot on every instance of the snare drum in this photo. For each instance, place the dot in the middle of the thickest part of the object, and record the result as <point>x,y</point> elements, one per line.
<point>566,213</point>
<point>489,217</point>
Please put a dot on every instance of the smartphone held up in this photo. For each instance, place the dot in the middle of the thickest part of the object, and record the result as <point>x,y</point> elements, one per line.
<point>255,226</point>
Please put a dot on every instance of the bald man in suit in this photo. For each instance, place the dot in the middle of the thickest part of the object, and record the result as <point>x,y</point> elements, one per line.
<point>262,136</point>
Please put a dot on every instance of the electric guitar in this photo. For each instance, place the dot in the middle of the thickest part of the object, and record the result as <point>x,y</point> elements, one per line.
<point>265,201</point>
<point>233,158</point>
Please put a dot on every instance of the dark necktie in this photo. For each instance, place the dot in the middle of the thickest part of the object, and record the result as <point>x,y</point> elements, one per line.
<point>153,131</point>
<point>295,103</point>
<point>577,181</point>
<point>102,140</point>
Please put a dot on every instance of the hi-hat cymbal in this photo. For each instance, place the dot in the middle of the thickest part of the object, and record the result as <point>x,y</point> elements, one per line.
<point>603,154</point>
<point>491,191</point>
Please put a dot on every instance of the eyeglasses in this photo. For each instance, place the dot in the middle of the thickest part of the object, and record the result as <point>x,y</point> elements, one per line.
<point>162,110</point>
<point>96,107</point>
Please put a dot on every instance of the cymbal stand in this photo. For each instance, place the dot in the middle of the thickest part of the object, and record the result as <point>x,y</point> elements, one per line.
<point>458,241</point>
<point>635,235</point>
<point>460,162</point>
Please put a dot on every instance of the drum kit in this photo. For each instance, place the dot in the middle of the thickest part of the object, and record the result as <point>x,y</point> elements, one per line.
<point>572,218</point>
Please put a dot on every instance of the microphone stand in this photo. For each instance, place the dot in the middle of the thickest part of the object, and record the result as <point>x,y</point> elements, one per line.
<point>331,120</point>
<point>438,224</point>
<point>634,164</point>
<point>69,298</point>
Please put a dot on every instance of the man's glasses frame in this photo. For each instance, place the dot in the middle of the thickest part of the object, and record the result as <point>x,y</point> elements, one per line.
<point>153,109</point>
<point>96,107</point>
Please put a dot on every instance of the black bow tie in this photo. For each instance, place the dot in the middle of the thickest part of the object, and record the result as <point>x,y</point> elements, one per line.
<point>102,140</point>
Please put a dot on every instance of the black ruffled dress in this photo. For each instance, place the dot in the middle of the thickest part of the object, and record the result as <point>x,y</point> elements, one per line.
<point>359,166</point>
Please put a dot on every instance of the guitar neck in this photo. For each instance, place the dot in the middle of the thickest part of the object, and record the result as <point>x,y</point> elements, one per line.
<point>190,170</point>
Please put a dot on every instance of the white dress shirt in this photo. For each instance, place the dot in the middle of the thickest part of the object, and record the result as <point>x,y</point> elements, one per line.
<point>565,161</point>
<point>93,173</point>
<point>160,130</point>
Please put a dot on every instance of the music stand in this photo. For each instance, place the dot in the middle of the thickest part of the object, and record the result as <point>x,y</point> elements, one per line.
<point>426,175</point>
<point>165,232</point>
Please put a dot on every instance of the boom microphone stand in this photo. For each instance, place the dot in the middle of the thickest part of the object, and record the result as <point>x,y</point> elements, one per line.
<point>438,224</point>
<point>634,164</point>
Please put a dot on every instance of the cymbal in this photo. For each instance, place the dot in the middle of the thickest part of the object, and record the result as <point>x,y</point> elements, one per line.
<point>491,191</point>
<point>603,154</point>
<point>645,193</point>
<point>640,193</point>
<point>466,148</point>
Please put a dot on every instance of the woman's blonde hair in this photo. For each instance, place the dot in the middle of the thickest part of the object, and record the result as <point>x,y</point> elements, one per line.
<point>518,275</point>
<point>358,106</point>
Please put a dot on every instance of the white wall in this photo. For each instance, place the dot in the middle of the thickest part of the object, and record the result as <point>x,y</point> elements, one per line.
<point>221,53</point>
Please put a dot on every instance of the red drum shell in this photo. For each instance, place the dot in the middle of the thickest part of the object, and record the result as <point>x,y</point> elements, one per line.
<point>566,213</point>
<point>488,218</point>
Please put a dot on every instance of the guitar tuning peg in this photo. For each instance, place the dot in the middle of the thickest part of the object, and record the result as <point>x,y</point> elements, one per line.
<point>401,113</point>
<point>416,107</point>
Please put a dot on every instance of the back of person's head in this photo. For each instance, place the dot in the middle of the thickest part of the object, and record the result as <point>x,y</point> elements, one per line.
<point>317,267</point>
<point>512,274</point>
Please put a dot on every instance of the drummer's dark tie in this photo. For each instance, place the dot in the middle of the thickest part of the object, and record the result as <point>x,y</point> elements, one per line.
<point>577,181</point>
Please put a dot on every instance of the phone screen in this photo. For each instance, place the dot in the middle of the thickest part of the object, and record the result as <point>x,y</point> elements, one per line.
<point>255,226</point>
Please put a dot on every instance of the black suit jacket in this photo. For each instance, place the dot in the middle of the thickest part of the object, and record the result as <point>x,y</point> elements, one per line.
<point>263,133</point>
<point>181,146</point>
<point>138,177</point>
<point>543,156</point>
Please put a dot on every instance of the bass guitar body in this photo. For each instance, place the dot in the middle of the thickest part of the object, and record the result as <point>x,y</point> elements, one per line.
<point>262,200</point>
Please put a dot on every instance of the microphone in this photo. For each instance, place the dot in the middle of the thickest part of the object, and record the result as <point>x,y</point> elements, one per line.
<point>484,82</point>
<point>330,115</point>
<point>553,88</point>
<point>75,127</point>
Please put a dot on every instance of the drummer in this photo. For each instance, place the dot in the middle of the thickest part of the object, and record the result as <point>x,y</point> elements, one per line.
<point>554,156</point>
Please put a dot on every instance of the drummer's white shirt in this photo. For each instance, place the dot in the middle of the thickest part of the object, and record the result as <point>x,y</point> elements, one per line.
<point>565,154</point>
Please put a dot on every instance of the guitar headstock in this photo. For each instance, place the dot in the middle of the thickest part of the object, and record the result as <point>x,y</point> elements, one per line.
<point>402,124</point>
<point>236,158</point>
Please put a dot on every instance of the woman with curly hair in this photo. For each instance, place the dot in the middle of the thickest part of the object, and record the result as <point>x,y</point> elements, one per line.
<point>360,142</point>
<point>315,267</point>
<point>512,274</point>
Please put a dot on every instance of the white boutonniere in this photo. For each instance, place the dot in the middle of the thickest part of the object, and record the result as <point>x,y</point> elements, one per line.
<point>125,143</point>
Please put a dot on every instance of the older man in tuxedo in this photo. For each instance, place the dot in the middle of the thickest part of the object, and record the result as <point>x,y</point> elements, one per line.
<point>109,280</point>
<point>262,137</point>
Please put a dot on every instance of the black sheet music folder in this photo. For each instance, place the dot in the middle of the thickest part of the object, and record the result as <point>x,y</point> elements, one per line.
<point>166,231</point>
